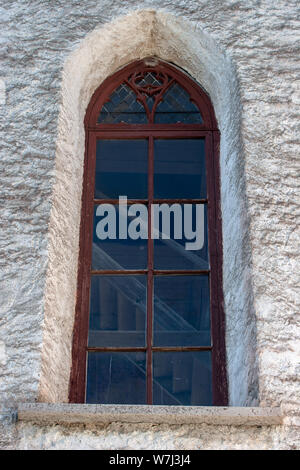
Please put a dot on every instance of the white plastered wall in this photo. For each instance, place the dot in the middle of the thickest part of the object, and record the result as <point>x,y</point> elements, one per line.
<point>100,54</point>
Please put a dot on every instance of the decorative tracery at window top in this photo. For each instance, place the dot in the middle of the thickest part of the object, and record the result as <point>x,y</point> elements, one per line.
<point>150,96</point>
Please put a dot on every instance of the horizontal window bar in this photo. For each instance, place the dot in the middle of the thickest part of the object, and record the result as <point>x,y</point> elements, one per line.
<point>182,348</point>
<point>116,201</point>
<point>154,348</point>
<point>115,349</point>
<point>160,272</point>
<point>111,271</point>
<point>152,129</point>
<point>180,201</point>
<point>156,272</point>
<point>142,112</point>
<point>155,201</point>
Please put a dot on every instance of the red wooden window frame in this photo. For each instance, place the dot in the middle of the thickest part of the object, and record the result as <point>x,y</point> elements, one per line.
<point>94,131</point>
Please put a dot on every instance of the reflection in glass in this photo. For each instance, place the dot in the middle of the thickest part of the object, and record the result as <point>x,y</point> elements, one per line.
<point>122,107</point>
<point>179,169</point>
<point>116,253</point>
<point>185,319</point>
<point>117,311</point>
<point>116,377</point>
<point>176,106</point>
<point>182,378</point>
<point>121,169</point>
<point>172,253</point>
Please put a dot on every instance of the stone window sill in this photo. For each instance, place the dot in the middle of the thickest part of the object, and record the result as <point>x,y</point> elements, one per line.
<point>64,413</point>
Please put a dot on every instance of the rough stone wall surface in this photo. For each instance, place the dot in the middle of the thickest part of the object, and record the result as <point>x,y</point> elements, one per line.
<point>261,39</point>
<point>118,436</point>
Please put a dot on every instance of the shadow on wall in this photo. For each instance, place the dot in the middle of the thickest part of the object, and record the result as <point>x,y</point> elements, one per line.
<point>100,54</point>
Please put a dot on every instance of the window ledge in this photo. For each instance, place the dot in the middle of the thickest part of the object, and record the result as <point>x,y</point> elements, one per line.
<point>64,413</point>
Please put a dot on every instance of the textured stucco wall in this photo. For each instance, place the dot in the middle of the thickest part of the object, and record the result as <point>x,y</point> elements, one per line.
<point>142,436</point>
<point>246,54</point>
<point>133,436</point>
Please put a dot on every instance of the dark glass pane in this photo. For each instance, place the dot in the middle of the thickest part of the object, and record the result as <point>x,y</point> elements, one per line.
<point>181,311</point>
<point>117,378</point>
<point>177,107</point>
<point>182,378</point>
<point>154,79</point>
<point>122,107</point>
<point>116,253</point>
<point>179,169</point>
<point>173,253</point>
<point>117,311</point>
<point>121,169</point>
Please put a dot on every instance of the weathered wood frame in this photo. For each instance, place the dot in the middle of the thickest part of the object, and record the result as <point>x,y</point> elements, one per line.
<point>208,130</point>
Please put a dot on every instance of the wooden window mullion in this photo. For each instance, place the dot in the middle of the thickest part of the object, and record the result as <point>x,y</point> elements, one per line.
<point>150,275</point>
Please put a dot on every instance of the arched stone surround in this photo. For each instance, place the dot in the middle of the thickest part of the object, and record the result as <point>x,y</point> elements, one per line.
<point>100,54</point>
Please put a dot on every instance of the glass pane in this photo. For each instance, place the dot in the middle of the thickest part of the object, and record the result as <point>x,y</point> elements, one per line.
<point>121,169</point>
<point>117,311</point>
<point>116,253</point>
<point>177,107</point>
<point>117,378</point>
<point>190,227</point>
<point>148,80</point>
<point>122,107</point>
<point>179,169</point>
<point>181,311</point>
<point>182,378</point>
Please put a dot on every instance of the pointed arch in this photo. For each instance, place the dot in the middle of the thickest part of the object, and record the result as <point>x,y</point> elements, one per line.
<point>103,52</point>
<point>134,77</point>
<point>159,78</point>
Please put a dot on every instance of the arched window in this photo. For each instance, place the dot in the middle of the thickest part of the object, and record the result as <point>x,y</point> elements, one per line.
<point>149,325</point>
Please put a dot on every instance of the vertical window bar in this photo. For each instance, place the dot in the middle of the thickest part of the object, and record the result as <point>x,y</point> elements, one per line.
<point>150,275</point>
